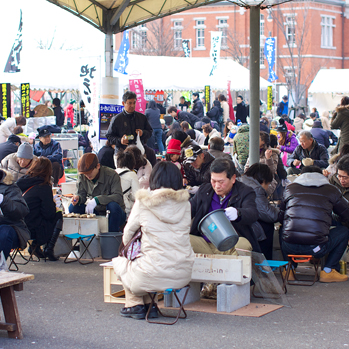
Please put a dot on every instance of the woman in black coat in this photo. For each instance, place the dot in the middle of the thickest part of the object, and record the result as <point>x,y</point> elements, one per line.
<point>44,220</point>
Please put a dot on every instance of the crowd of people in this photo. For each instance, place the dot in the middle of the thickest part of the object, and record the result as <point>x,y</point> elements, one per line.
<point>163,177</point>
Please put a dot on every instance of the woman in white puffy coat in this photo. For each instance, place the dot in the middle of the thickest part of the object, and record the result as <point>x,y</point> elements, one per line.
<point>7,127</point>
<point>166,259</point>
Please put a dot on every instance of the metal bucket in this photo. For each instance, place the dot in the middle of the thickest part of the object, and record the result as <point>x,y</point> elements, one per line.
<point>110,243</point>
<point>218,229</point>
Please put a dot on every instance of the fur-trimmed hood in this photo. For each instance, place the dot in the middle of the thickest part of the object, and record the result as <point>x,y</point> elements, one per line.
<point>166,204</point>
<point>334,159</point>
<point>8,178</point>
<point>341,108</point>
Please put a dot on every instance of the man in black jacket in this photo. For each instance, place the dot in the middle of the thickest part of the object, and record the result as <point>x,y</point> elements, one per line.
<point>238,200</point>
<point>198,107</point>
<point>306,213</point>
<point>58,111</point>
<point>124,127</point>
<point>10,146</point>
<point>181,116</point>
<point>307,153</point>
<point>241,110</point>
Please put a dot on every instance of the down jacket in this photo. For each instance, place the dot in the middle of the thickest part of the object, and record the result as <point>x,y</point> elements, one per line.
<point>52,151</point>
<point>166,259</point>
<point>306,210</point>
<point>340,120</point>
<point>290,143</point>
<point>10,164</point>
<point>6,129</point>
<point>241,144</point>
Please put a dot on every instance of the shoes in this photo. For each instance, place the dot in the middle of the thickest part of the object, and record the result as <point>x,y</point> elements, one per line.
<point>153,311</point>
<point>290,276</point>
<point>37,252</point>
<point>333,276</point>
<point>137,312</point>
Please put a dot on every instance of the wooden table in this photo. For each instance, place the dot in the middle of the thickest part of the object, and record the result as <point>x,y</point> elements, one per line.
<point>10,282</point>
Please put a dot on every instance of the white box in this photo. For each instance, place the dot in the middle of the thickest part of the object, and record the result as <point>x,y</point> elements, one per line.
<point>84,226</point>
<point>68,188</point>
<point>225,269</point>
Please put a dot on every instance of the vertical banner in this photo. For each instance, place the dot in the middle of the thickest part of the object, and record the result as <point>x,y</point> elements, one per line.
<point>13,61</point>
<point>269,53</point>
<point>216,38</point>
<point>122,59</point>
<point>5,103</point>
<point>230,103</point>
<point>136,86</point>
<point>25,100</point>
<point>208,97</point>
<point>89,85</point>
<point>106,113</point>
<point>270,98</point>
<point>186,48</point>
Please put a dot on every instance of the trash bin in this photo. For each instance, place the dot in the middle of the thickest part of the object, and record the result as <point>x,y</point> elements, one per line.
<point>110,243</point>
<point>218,229</point>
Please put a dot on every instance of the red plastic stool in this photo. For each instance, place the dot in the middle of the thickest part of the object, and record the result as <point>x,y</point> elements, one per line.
<point>302,259</point>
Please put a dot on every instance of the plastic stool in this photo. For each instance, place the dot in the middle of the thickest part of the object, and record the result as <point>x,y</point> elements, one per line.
<point>302,259</point>
<point>79,238</point>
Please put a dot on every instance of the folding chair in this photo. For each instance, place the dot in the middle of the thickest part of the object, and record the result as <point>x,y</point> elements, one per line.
<point>79,239</point>
<point>302,259</point>
<point>19,251</point>
<point>181,306</point>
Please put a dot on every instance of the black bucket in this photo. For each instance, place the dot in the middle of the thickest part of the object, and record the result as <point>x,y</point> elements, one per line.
<point>110,243</point>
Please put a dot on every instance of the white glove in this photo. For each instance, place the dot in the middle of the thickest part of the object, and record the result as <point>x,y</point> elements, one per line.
<point>231,213</point>
<point>90,206</point>
<point>57,200</point>
<point>1,198</point>
<point>193,190</point>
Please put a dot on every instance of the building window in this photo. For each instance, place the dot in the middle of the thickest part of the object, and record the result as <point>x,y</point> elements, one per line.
<point>223,27</point>
<point>290,29</point>
<point>200,33</point>
<point>327,26</point>
<point>262,25</point>
<point>139,37</point>
<point>261,56</point>
<point>177,34</point>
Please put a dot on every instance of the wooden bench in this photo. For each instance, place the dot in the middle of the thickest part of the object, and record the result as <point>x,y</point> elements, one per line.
<point>10,282</point>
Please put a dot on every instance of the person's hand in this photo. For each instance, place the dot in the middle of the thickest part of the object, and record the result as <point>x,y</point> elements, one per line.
<point>57,200</point>
<point>185,182</point>
<point>124,140</point>
<point>193,190</point>
<point>325,173</point>
<point>268,153</point>
<point>75,200</point>
<point>139,132</point>
<point>278,147</point>
<point>231,213</point>
<point>308,162</point>
<point>90,206</point>
<point>296,162</point>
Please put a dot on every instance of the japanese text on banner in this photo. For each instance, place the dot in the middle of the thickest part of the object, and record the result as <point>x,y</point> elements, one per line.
<point>136,86</point>
<point>122,59</point>
<point>215,52</point>
<point>269,52</point>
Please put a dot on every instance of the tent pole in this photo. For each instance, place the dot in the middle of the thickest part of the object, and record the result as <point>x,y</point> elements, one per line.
<point>109,54</point>
<point>254,83</point>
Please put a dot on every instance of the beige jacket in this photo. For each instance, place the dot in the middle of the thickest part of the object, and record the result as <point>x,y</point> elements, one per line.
<point>6,129</point>
<point>225,107</point>
<point>166,258</point>
<point>10,164</point>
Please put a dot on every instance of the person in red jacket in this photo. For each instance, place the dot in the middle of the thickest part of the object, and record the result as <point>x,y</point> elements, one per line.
<point>69,112</point>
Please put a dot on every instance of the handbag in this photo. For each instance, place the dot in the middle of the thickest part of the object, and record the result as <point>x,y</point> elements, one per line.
<point>132,249</point>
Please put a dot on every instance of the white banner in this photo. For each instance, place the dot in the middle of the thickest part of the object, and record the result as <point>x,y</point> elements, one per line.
<point>216,38</point>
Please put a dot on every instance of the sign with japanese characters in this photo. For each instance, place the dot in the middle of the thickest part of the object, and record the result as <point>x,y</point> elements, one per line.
<point>106,113</point>
<point>25,100</point>
<point>270,98</point>
<point>122,59</point>
<point>207,97</point>
<point>269,53</point>
<point>136,86</point>
<point>186,48</point>
<point>5,103</point>
<point>216,38</point>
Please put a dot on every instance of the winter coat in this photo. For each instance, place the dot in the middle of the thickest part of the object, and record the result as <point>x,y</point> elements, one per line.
<point>69,114</point>
<point>318,153</point>
<point>127,124</point>
<point>166,259</point>
<point>340,120</point>
<point>298,124</point>
<point>153,116</point>
<point>59,114</point>
<point>42,208</point>
<point>106,189</point>
<point>307,208</point>
<point>214,133</point>
<point>129,186</point>
<point>198,108</point>
<point>7,148</point>
<point>216,113</point>
<point>6,129</point>
<point>106,156</point>
<point>143,174</point>
<point>219,154</point>
<point>335,181</point>
<point>196,178</point>
<point>52,151</point>
<point>282,108</point>
<point>325,123</point>
<point>243,198</point>
<point>241,112</point>
<point>321,136</point>
<point>190,118</point>
<point>241,144</point>
<point>332,167</point>
<point>14,209</point>
<point>290,143</point>
<point>225,107</point>
<point>199,137</point>
<point>10,164</point>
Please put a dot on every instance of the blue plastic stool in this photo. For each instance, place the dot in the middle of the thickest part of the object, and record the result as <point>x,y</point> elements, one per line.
<point>79,239</point>
<point>168,291</point>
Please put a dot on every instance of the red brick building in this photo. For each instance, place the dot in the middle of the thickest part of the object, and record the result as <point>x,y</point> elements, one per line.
<point>310,35</point>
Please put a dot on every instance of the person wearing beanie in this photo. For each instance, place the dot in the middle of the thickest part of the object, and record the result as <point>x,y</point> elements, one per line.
<point>10,146</point>
<point>98,189</point>
<point>287,139</point>
<point>18,163</point>
<point>58,111</point>
<point>173,154</point>
<point>319,134</point>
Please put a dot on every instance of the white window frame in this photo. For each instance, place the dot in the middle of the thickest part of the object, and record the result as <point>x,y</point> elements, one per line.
<point>200,33</point>
<point>261,57</point>
<point>177,33</point>
<point>139,37</point>
<point>290,22</point>
<point>223,27</point>
<point>262,22</point>
<point>327,29</point>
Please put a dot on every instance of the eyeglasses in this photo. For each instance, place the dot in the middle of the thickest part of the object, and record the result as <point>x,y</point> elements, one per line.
<point>342,177</point>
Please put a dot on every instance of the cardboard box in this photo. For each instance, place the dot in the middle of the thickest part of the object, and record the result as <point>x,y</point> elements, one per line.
<point>222,269</point>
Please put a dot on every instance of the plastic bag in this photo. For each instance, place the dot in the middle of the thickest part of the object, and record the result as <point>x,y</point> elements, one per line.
<point>139,144</point>
<point>3,264</point>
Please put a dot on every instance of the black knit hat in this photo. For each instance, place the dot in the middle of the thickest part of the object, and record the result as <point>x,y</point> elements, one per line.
<point>282,126</point>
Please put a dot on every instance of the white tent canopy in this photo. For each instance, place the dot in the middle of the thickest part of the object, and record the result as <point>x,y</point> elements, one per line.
<point>186,74</point>
<point>327,89</point>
